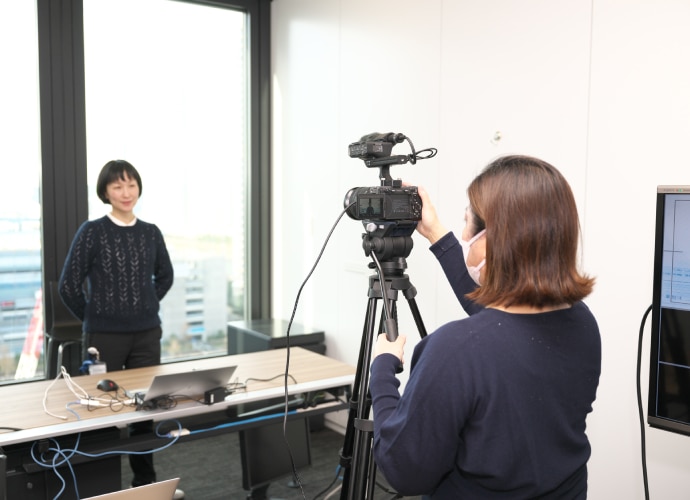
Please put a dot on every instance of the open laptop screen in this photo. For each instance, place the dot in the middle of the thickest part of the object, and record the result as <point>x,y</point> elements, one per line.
<point>162,490</point>
<point>191,384</point>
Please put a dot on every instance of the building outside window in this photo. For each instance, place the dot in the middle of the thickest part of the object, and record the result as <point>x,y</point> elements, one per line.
<point>20,219</point>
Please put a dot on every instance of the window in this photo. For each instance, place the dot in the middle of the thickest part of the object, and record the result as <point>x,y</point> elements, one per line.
<point>21,328</point>
<point>189,108</point>
<point>167,90</point>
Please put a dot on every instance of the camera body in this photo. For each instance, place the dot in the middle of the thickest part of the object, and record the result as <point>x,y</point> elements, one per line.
<point>384,203</point>
<point>391,201</point>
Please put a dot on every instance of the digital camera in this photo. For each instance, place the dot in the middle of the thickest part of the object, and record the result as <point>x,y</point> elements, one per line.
<point>384,203</point>
<point>391,201</point>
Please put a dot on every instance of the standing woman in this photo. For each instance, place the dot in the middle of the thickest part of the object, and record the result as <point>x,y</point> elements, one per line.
<point>496,403</point>
<point>115,275</point>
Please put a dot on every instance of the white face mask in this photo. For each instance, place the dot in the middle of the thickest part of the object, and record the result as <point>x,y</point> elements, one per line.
<point>473,270</point>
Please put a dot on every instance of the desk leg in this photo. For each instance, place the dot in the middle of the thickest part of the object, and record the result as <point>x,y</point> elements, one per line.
<point>259,493</point>
<point>3,477</point>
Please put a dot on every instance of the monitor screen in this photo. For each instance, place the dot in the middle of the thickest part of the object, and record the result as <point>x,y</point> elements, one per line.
<point>669,374</point>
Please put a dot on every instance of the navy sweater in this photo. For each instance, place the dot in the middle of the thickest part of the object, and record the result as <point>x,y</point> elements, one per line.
<point>495,404</point>
<point>126,271</point>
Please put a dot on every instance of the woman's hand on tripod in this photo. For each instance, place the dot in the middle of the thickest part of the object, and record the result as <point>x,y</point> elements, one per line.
<point>430,226</point>
<point>385,346</point>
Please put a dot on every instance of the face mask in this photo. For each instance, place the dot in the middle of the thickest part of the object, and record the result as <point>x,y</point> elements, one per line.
<point>473,270</point>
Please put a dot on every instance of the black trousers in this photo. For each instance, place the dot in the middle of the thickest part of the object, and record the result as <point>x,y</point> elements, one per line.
<point>125,350</point>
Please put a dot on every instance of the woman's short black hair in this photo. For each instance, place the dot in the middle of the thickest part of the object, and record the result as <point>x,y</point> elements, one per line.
<point>112,171</point>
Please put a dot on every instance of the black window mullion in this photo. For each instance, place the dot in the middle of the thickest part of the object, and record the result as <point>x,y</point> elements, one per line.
<point>259,237</point>
<point>63,124</point>
<point>64,199</point>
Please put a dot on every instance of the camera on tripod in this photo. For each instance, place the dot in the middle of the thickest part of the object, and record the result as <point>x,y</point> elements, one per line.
<point>391,201</point>
<point>389,213</point>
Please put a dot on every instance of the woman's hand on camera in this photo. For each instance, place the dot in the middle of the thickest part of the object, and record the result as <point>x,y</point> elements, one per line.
<point>385,346</point>
<point>430,226</point>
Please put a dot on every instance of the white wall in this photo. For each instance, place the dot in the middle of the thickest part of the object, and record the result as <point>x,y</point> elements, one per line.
<point>601,89</point>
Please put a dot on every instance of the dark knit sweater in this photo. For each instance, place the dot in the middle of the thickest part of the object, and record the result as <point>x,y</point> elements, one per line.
<point>115,276</point>
<point>495,404</point>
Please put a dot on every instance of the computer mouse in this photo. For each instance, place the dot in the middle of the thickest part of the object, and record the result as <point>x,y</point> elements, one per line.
<point>107,385</point>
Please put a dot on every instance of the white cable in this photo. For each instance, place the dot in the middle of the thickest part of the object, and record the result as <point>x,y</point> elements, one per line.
<point>72,386</point>
<point>45,399</point>
<point>79,392</point>
<point>333,492</point>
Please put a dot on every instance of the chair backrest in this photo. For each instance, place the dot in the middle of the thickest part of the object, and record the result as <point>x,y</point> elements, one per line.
<point>60,322</point>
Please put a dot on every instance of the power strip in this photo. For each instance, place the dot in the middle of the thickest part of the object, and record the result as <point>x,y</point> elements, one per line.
<point>93,403</point>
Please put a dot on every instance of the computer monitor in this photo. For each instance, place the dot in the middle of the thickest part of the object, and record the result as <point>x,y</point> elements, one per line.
<point>669,374</point>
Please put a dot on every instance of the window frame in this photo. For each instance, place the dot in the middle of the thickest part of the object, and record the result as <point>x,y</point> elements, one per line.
<point>64,196</point>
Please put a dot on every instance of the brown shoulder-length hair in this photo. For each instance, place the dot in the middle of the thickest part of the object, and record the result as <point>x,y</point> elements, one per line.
<point>532,235</point>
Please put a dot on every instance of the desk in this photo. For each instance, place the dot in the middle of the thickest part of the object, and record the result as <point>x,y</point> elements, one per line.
<point>102,429</point>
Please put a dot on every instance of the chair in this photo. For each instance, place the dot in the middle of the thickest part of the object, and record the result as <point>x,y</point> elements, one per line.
<point>62,330</point>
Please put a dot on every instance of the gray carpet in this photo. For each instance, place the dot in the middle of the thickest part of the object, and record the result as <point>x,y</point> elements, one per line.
<point>211,469</point>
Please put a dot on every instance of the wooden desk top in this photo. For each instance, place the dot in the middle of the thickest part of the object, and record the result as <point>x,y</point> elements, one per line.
<point>22,406</point>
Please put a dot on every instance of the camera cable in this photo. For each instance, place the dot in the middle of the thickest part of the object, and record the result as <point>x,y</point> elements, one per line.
<point>639,405</point>
<point>296,476</point>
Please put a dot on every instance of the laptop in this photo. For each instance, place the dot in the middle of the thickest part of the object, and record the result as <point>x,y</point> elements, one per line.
<point>192,384</point>
<point>162,490</point>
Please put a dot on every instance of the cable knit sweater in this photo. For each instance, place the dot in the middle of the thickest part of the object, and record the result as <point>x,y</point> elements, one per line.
<point>115,276</point>
<point>496,403</point>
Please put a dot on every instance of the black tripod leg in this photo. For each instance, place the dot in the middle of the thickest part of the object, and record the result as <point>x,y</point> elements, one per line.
<point>357,457</point>
<point>359,404</point>
<point>364,478</point>
<point>417,317</point>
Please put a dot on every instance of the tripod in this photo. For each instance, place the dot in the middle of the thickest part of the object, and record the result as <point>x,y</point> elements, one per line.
<point>357,453</point>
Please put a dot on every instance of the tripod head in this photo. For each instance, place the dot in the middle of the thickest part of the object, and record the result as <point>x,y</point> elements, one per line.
<point>388,239</point>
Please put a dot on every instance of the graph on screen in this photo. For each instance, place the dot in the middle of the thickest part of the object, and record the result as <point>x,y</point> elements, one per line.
<point>675,286</point>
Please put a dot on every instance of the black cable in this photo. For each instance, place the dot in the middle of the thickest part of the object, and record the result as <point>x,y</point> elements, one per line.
<point>417,155</point>
<point>639,405</point>
<point>252,379</point>
<point>296,476</point>
<point>330,486</point>
<point>382,281</point>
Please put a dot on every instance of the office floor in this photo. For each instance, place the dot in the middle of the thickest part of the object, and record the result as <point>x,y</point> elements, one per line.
<point>210,469</point>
